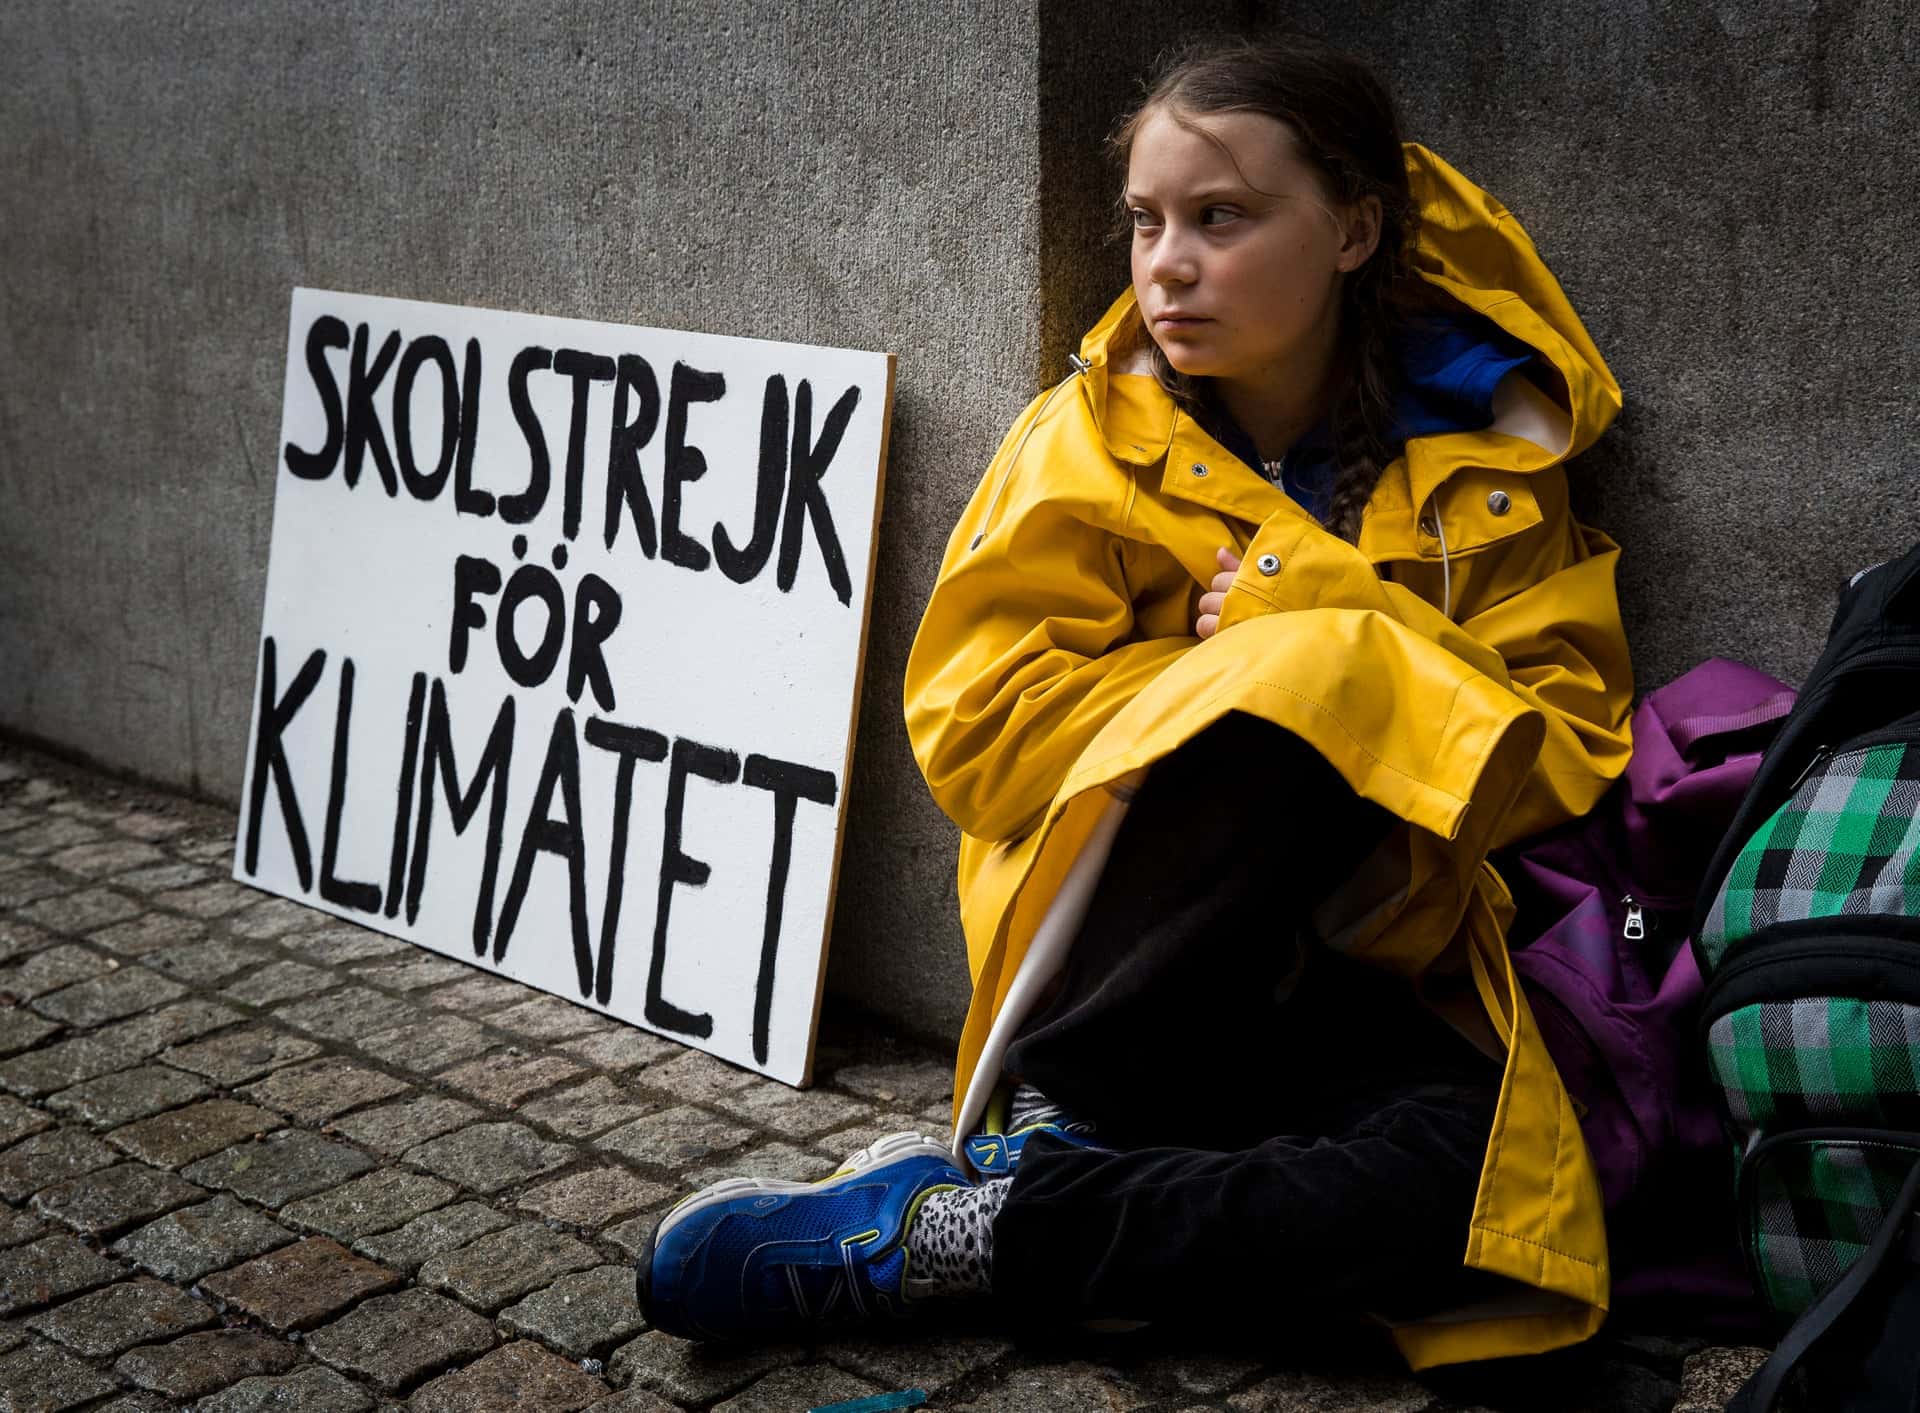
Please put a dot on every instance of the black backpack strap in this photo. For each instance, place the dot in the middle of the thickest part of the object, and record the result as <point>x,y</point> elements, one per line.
<point>1820,1319</point>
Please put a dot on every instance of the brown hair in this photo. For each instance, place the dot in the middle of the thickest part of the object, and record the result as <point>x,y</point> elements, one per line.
<point>1349,132</point>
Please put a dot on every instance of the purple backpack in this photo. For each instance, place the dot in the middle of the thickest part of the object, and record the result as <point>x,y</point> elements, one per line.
<point>1601,948</point>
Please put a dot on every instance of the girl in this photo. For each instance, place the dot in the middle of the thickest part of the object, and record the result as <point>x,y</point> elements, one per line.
<point>1264,627</point>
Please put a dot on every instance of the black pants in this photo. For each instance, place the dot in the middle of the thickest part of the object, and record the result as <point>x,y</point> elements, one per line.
<point>1299,1131</point>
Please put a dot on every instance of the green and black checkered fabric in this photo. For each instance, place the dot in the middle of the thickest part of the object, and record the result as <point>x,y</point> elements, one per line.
<point>1825,1060</point>
<point>1847,843</point>
<point>1813,1207</point>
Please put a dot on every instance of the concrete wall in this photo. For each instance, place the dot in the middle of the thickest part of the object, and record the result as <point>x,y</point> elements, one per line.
<point>1723,188</point>
<point>173,171</point>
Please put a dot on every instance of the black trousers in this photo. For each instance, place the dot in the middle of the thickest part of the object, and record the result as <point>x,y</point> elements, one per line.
<point>1298,1131</point>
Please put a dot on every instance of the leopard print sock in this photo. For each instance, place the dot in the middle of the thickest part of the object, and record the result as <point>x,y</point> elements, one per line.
<point>950,1243</point>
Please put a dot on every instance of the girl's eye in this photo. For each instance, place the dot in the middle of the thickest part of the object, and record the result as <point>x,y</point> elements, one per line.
<point>1218,215</point>
<point>1141,219</point>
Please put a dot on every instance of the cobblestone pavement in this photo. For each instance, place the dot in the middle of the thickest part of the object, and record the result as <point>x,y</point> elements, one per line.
<point>252,1157</point>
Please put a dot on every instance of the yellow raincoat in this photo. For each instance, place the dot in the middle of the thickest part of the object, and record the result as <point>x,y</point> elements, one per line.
<point>1478,692</point>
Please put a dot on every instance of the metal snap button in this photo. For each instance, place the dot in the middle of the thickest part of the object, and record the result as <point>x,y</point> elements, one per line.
<point>1268,564</point>
<point>1499,502</point>
<point>1199,468</point>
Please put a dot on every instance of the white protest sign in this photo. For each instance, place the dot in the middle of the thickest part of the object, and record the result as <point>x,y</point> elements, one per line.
<point>560,655</point>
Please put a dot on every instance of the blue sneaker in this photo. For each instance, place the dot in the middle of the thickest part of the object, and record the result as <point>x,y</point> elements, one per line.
<point>995,1155</point>
<point>754,1257</point>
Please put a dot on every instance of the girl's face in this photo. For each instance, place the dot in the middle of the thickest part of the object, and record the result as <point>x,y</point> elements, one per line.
<point>1238,252</point>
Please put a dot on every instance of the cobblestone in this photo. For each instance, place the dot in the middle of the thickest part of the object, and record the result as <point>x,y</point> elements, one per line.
<point>795,1113</point>
<point>695,1373</point>
<point>805,1387</point>
<point>299,1286</point>
<point>17,1120</point>
<point>429,1044</point>
<point>675,1138</point>
<point>378,1202</point>
<point>181,1135</point>
<point>102,1203</point>
<point>106,857</point>
<point>518,1376</point>
<point>342,943</point>
<point>18,1228</point>
<point>196,1365</point>
<point>48,1270</point>
<point>273,917</point>
<point>52,968</point>
<point>507,1264</point>
<point>394,1341</point>
<point>919,1359</point>
<point>346,1014</point>
<point>594,1197</point>
<point>616,1050</point>
<point>488,1157</point>
<point>588,1109</point>
<point>504,1078</point>
<point>323,1089</point>
<point>207,900</point>
<point>186,1245</point>
<point>585,1315</point>
<point>47,1158</point>
<point>47,1379</point>
<point>281,981</point>
<point>116,1318</point>
<point>781,1161</point>
<point>161,877</point>
<point>447,1229</point>
<point>477,994</point>
<point>118,993</point>
<point>309,1390</point>
<point>349,1094</point>
<point>281,1167</point>
<point>82,912</point>
<point>547,1018</point>
<point>241,1055</point>
<point>414,973</point>
<point>133,1094</point>
<point>698,1077</point>
<point>21,1029</point>
<point>394,1128</point>
<point>154,934</point>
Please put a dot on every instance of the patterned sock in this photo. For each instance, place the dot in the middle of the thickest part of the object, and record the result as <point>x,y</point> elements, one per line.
<point>1029,1106</point>
<point>950,1241</point>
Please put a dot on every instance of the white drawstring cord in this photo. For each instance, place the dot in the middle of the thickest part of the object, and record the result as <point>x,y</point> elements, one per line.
<point>1446,568</point>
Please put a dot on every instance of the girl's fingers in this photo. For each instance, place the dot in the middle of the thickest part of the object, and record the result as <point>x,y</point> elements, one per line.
<point>1213,603</point>
<point>1227,559</point>
<point>1207,625</point>
<point>1222,582</point>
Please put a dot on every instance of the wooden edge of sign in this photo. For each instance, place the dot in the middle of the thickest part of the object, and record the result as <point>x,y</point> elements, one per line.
<point>853,724</point>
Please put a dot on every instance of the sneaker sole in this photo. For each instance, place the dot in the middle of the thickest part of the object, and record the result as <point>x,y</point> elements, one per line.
<point>876,1154</point>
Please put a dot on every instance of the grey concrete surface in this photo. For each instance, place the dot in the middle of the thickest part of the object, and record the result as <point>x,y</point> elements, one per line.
<point>1722,188</point>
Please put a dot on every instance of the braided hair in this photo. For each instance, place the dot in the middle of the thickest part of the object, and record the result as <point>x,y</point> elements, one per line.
<point>1349,132</point>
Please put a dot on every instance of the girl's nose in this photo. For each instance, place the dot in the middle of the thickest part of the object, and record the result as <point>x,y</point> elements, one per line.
<point>1172,262</point>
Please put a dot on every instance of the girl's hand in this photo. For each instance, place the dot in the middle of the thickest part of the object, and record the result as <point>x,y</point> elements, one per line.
<point>1211,602</point>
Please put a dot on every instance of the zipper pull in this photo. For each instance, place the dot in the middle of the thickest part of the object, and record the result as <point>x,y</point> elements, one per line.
<point>1636,927</point>
<point>1819,758</point>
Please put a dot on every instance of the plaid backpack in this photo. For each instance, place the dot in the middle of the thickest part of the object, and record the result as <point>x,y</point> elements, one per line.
<point>1808,936</point>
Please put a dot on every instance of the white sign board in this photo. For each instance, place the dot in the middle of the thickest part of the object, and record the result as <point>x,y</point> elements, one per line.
<point>561,650</point>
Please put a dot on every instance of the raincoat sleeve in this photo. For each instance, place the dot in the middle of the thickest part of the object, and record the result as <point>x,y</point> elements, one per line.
<point>1537,612</point>
<point>1029,645</point>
